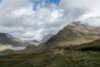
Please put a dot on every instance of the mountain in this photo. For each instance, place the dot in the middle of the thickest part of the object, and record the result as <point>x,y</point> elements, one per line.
<point>55,58</point>
<point>74,34</point>
<point>6,40</point>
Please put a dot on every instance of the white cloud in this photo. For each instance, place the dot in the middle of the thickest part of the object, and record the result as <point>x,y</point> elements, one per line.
<point>18,18</point>
<point>82,10</point>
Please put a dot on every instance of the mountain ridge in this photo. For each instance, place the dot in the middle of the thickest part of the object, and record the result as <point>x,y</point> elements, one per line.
<point>75,34</point>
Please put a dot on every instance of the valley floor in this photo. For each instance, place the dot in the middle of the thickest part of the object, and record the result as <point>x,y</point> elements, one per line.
<point>57,58</point>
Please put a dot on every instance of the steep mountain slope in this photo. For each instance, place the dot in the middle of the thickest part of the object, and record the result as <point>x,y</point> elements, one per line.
<point>75,34</point>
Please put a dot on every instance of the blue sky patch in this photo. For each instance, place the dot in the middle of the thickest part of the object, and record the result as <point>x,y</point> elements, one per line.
<point>47,3</point>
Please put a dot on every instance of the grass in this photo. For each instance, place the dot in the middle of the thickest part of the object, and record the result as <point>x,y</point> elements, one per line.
<point>85,56</point>
<point>57,58</point>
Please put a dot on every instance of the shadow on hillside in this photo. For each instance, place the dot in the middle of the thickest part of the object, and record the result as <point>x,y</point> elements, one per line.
<point>90,49</point>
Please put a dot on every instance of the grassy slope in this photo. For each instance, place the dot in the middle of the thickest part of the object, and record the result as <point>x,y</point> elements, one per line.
<point>94,46</point>
<point>58,58</point>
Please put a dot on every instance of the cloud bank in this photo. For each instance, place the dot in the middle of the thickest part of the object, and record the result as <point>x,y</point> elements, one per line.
<point>86,11</point>
<point>18,18</point>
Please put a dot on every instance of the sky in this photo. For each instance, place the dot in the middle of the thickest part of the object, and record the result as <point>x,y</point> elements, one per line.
<point>38,19</point>
<point>29,19</point>
<point>47,3</point>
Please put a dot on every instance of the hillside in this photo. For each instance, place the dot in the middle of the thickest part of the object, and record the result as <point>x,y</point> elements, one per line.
<point>92,46</point>
<point>6,40</point>
<point>81,48</point>
<point>57,58</point>
<point>75,34</point>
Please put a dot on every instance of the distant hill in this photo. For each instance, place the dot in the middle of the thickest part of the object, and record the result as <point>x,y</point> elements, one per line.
<point>6,40</point>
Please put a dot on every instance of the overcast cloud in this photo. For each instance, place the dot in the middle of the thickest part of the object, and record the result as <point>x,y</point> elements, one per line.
<point>18,18</point>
